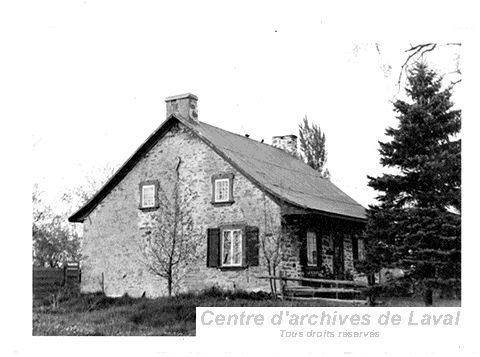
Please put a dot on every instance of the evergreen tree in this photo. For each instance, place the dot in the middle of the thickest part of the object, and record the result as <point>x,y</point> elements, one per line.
<point>312,145</point>
<point>416,225</point>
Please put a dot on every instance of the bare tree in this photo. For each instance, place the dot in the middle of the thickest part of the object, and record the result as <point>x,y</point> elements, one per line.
<point>275,240</point>
<point>418,52</point>
<point>93,180</point>
<point>54,239</point>
<point>170,243</point>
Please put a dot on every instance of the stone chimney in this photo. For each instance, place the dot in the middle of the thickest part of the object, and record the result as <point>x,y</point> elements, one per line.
<point>184,105</point>
<point>287,143</point>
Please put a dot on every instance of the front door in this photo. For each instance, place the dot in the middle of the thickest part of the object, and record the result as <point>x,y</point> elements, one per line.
<point>338,261</point>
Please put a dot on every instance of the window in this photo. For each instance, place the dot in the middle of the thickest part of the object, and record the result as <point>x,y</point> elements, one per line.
<point>312,254</point>
<point>361,249</point>
<point>231,247</point>
<point>358,248</point>
<point>148,194</point>
<point>222,188</point>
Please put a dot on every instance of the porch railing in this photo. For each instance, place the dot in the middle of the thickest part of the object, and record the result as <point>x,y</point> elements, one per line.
<point>327,286</point>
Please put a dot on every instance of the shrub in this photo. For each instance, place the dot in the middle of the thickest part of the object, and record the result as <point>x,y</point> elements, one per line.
<point>401,287</point>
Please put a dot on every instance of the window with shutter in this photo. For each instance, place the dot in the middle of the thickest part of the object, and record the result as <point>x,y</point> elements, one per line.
<point>233,246</point>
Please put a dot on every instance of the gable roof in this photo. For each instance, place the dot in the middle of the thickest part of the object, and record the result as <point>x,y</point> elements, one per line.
<point>271,169</point>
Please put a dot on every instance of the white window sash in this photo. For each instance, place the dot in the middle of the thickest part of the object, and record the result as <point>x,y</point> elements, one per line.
<point>311,249</point>
<point>147,204</point>
<point>228,260</point>
<point>222,182</point>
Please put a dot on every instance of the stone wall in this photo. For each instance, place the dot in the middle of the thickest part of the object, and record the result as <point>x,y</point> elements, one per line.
<point>113,231</point>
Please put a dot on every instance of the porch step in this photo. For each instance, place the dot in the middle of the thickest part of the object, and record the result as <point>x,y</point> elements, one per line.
<point>308,289</point>
<point>342,301</point>
<point>342,290</point>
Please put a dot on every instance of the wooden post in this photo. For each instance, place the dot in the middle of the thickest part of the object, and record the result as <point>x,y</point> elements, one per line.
<point>283,285</point>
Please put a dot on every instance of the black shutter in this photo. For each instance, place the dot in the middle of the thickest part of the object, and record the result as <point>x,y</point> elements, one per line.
<point>213,247</point>
<point>355,247</point>
<point>252,246</point>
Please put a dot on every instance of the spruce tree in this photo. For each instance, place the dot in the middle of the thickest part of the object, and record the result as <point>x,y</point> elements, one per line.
<point>416,225</point>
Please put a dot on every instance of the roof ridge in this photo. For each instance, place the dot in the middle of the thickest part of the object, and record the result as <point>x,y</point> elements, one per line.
<point>282,167</point>
<point>268,145</point>
<point>213,136</point>
<point>313,194</point>
<point>241,136</point>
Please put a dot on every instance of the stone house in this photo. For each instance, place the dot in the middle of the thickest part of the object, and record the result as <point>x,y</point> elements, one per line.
<point>239,183</point>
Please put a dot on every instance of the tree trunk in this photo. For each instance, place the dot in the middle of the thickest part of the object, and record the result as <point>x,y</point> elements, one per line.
<point>428,297</point>
<point>169,285</point>
<point>274,295</point>
<point>275,281</point>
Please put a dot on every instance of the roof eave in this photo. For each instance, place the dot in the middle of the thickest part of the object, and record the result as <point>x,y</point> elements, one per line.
<point>89,206</point>
<point>82,213</point>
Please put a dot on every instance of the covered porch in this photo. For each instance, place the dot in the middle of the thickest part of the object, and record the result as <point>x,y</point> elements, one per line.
<point>327,244</point>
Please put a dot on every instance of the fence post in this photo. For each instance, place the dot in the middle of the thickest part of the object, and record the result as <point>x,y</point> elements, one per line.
<point>64,281</point>
<point>283,285</point>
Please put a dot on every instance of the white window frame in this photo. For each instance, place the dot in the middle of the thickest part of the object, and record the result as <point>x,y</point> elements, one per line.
<point>312,247</point>
<point>217,198</point>
<point>222,245</point>
<point>144,187</point>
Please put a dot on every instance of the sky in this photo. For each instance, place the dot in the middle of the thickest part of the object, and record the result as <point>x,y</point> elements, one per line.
<point>101,71</point>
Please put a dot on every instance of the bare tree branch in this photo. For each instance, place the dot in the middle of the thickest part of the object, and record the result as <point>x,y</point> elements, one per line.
<point>169,243</point>
<point>418,52</point>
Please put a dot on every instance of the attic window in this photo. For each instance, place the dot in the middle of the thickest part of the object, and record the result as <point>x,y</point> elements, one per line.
<point>149,194</point>
<point>222,188</point>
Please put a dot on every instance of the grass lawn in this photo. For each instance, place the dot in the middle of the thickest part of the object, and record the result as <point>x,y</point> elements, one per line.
<point>97,315</point>
<point>417,302</point>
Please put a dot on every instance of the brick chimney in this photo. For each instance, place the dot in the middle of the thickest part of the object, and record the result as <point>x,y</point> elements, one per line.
<point>184,105</point>
<point>287,143</point>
